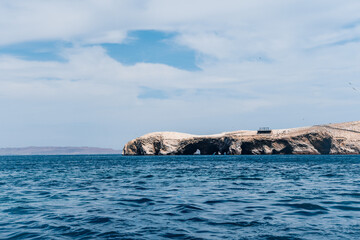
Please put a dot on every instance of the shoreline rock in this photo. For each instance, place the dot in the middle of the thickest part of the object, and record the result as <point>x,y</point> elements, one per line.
<point>341,138</point>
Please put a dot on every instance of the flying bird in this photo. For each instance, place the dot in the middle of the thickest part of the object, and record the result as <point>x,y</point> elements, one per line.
<point>352,86</point>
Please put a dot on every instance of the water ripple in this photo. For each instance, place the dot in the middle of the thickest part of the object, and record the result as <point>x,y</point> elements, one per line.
<point>180,197</point>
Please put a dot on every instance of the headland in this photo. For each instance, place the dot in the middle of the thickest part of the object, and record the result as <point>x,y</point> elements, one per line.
<point>339,138</point>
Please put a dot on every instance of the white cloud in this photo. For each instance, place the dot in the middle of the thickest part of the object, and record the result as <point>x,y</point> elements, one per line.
<point>106,37</point>
<point>263,63</point>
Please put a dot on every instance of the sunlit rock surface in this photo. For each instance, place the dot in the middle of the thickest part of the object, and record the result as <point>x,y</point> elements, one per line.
<point>341,138</point>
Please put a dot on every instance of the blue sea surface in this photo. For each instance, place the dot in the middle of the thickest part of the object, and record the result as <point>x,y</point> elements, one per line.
<point>179,197</point>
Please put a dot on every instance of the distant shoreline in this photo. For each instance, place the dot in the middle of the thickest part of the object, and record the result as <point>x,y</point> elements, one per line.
<point>24,151</point>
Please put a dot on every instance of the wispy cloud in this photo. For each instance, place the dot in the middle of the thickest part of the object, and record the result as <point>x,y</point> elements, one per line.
<point>149,93</point>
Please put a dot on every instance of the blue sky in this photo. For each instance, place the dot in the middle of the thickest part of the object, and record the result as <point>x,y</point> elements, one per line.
<point>140,46</point>
<point>99,73</point>
<point>36,50</point>
<point>150,46</point>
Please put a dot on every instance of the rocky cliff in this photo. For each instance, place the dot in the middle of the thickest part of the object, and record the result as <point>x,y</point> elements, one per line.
<point>342,138</point>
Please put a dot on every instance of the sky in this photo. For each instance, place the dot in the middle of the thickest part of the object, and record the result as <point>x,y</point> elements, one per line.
<point>99,73</point>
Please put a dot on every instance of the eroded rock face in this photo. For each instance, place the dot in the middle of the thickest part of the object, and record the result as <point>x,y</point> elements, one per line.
<point>325,139</point>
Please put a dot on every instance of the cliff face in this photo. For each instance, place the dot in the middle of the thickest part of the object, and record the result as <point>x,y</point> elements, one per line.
<point>343,138</point>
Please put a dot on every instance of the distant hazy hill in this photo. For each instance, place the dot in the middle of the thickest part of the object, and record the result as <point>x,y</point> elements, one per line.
<point>57,151</point>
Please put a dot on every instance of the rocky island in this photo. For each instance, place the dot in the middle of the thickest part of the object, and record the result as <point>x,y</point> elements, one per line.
<point>340,138</point>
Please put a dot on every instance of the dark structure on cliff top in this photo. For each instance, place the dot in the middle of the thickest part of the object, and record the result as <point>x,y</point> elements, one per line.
<point>264,130</point>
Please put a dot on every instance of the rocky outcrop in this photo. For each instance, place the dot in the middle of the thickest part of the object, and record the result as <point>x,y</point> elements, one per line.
<point>343,138</point>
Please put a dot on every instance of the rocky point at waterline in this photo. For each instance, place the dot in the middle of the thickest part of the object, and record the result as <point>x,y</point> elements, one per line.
<point>341,138</point>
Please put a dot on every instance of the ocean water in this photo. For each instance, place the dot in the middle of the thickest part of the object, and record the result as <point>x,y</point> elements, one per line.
<point>180,197</point>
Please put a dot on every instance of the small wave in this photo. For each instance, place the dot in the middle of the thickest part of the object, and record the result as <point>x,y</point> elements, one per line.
<point>138,200</point>
<point>238,224</point>
<point>251,179</point>
<point>82,232</point>
<point>175,235</point>
<point>140,188</point>
<point>276,237</point>
<point>331,175</point>
<point>65,218</point>
<point>255,207</point>
<point>171,214</point>
<point>347,208</point>
<point>140,182</point>
<point>148,176</point>
<point>341,202</point>
<point>22,210</point>
<point>59,196</point>
<point>353,194</point>
<point>308,213</point>
<point>59,228</point>
<point>97,220</point>
<point>212,202</point>
<point>187,208</point>
<point>109,235</point>
<point>242,177</point>
<point>194,219</point>
<point>306,206</point>
<point>22,235</point>
<point>44,193</point>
